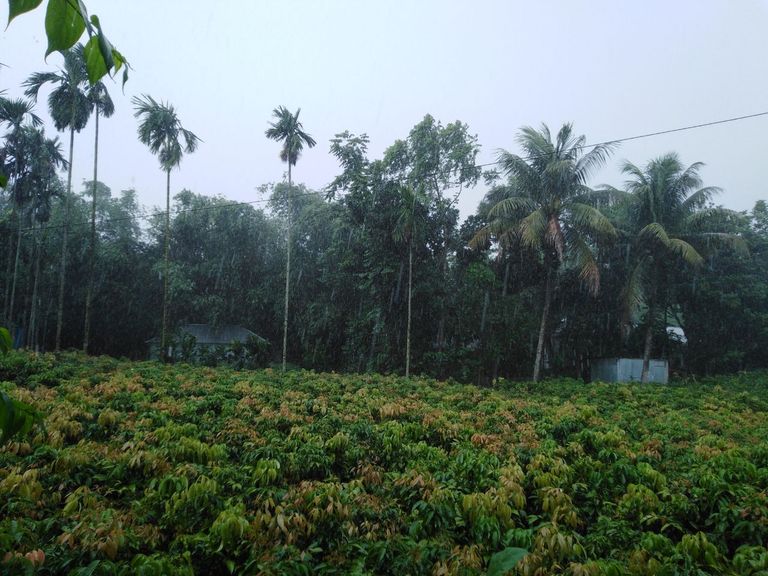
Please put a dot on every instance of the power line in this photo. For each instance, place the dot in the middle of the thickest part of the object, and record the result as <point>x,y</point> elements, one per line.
<point>647,135</point>
<point>456,197</point>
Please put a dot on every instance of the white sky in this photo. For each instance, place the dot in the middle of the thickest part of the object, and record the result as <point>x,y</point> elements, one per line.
<point>613,68</point>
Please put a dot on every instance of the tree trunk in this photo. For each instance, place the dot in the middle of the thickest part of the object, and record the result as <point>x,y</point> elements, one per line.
<point>92,255</point>
<point>166,252</point>
<point>543,326</point>
<point>8,275</point>
<point>503,295</point>
<point>287,268</point>
<point>648,346</point>
<point>15,278</point>
<point>31,340</point>
<point>410,293</point>
<point>486,301</point>
<point>63,266</point>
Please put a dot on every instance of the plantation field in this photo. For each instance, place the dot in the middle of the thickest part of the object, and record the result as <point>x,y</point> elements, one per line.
<point>150,469</point>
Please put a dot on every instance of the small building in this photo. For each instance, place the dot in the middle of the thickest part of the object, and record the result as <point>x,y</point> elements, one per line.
<point>201,337</point>
<point>628,370</point>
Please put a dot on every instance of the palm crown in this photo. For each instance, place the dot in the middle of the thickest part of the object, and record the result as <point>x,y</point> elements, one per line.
<point>69,102</point>
<point>668,207</point>
<point>161,130</point>
<point>287,129</point>
<point>548,205</point>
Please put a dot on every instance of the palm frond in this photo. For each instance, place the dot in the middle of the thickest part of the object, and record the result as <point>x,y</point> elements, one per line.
<point>287,129</point>
<point>722,240</point>
<point>632,294</point>
<point>654,232</point>
<point>37,80</point>
<point>532,228</point>
<point>685,251</point>
<point>160,130</point>
<point>585,262</point>
<point>15,111</point>
<point>591,220</point>
<point>512,207</point>
<point>698,199</point>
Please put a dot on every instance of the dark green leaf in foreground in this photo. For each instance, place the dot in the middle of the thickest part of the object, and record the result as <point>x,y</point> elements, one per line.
<point>16,418</point>
<point>18,7</point>
<point>95,64</point>
<point>503,562</point>
<point>64,24</point>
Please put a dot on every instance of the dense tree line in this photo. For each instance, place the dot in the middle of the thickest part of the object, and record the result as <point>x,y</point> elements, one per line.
<point>548,274</point>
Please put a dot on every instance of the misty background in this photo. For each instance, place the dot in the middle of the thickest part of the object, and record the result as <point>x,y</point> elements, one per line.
<point>614,69</point>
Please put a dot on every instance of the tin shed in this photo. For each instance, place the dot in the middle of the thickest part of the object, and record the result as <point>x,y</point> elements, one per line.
<point>629,370</point>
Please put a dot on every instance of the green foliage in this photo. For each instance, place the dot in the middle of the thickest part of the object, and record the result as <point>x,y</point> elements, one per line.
<point>175,469</point>
<point>504,562</point>
<point>65,22</point>
<point>5,340</point>
<point>16,418</point>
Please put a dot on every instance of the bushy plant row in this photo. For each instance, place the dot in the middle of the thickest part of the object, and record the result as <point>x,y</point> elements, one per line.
<point>149,469</point>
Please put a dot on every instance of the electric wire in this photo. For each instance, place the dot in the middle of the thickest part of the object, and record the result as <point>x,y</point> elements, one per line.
<point>148,217</point>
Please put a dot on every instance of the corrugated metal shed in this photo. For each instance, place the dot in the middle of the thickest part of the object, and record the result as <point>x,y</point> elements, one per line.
<point>628,370</point>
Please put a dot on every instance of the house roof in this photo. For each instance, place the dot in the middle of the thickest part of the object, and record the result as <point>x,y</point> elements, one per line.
<point>207,334</point>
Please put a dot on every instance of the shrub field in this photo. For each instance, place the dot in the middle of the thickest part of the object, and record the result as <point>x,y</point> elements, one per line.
<point>148,469</point>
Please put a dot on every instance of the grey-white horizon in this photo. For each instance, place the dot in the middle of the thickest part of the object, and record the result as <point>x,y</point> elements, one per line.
<point>613,69</point>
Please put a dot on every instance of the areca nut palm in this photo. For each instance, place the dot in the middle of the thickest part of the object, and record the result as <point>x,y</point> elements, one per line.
<point>669,214</point>
<point>14,113</point>
<point>70,108</point>
<point>551,209</point>
<point>44,159</point>
<point>161,131</point>
<point>410,224</point>
<point>287,129</point>
<point>102,106</point>
<point>33,160</point>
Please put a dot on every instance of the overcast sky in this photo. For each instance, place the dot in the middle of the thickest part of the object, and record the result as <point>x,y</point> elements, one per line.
<point>613,68</point>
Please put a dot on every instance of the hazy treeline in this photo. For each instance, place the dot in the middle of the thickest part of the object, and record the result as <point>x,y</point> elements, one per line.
<point>476,310</point>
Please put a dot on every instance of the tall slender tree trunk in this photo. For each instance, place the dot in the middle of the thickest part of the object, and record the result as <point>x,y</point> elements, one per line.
<point>287,266</point>
<point>648,345</point>
<point>543,326</point>
<point>503,296</point>
<point>166,253</point>
<point>8,276</point>
<point>410,293</point>
<point>31,340</point>
<point>63,266</point>
<point>92,255</point>
<point>15,277</point>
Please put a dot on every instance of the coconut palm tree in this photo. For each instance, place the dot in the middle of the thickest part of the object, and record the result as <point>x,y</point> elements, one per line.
<point>287,129</point>
<point>410,224</point>
<point>102,106</point>
<point>668,216</point>
<point>161,130</point>
<point>70,108</point>
<point>550,208</point>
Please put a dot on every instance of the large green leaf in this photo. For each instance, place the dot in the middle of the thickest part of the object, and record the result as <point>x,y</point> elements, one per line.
<point>503,562</point>
<point>17,7</point>
<point>3,180</point>
<point>64,24</point>
<point>94,60</point>
<point>16,418</point>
